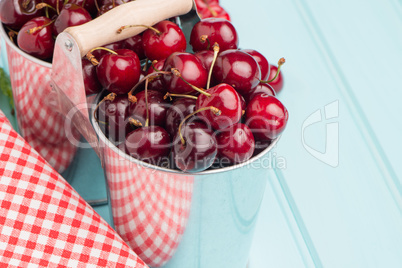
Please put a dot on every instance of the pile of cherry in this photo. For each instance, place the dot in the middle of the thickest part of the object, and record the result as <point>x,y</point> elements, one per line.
<point>212,108</point>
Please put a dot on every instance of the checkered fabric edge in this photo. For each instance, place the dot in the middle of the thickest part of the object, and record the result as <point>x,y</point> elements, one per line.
<point>43,221</point>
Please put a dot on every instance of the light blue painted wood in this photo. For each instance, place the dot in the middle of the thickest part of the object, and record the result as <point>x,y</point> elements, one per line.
<point>349,216</point>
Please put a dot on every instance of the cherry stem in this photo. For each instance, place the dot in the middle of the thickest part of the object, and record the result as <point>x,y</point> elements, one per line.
<point>132,98</point>
<point>110,97</point>
<point>35,29</point>
<point>146,102</point>
<point>145,65</point>
<point>281,61</point>
<point>96,5</point>
<point>138,25</point>
<point>213,12</point>
<point>11,33</point>
<point>43,5</point>
<point>92,58</point>
<point>177,73</point>
<point>213,109</point>
<point>134,122</point>
<point>83,3</point>
<point>204,38</point>
<point>170,95</point>
<point>26,3</point>
<point>153,65</point>
<point>216,51</point>
<point>113,3</point>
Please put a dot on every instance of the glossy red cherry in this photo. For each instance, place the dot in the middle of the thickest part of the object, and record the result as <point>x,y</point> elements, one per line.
<point>70,15</point>
<point>15,13</point>
<point>156,82</point>
<point>112,118</point>
<point>150,144</point>
<point>278,82</point>
<point>262,62</point>
<point>119,73</point>
<point>107,5</point>
<point>261,88</point>
<point>35,38</point>
<point>167,38</point>
<point>214,11</point>
<point>237,69</point>
<point>134,43</point>
<point>224,98</point>
<point>157,108</point>
<point>217,30</point>
<point>91,83</point>
<point>206,57</point>
<point>266,116</point>
<point>199,150</point>
<point>177,112</point>
<point>191,69</point>
<point>236,143</point>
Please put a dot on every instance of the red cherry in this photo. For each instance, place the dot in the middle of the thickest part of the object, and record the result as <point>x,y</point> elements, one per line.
<point>214,11</point>
<point>277,84</point>
<point>218,31</point>
<point>224,98</point>
<point>177,112</point>
<point>70,15</point>
<point>119,73</point>
<point>237,69</point>
<point>112,118</point>
<point>206,57</point>
<point>266,116</point>
<point>191,69</point>
<point>15,13</point>
<point>91,83</point>
<point>134,43</point>
<point>35,38</point>
<point>199,150</point>
<point>167,39</point>
<point>261,88</point>
<point>236,143</point>
<point>156,82</point>
<point>262,62</point>
<point>157,108</point>
<point>150,144</point>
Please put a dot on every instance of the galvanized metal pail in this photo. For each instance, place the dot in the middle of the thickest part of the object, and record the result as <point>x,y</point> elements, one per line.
<point>173,219</point>
<point>38,120</point>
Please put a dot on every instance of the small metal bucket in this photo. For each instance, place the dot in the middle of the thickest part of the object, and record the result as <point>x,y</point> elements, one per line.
<point>173,219</point>
<point>38,120</point>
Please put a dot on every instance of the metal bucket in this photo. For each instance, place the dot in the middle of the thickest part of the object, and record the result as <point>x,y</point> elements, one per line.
<point>35,103</point>
<point>173,219</point>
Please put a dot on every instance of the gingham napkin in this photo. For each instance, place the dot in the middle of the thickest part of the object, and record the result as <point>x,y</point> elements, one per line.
<point>43,221</point>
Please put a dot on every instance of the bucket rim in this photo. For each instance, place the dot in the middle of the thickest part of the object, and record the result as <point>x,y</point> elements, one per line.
<point>116,150</point>
<point>19,51</point>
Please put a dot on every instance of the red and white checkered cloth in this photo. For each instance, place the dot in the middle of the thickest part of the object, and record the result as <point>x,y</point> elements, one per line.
<point>39,122</point>
<point>43,221</point>
<point>150,207</point>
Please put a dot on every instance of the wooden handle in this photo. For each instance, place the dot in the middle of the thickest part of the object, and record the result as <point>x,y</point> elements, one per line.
<point>103,30</point>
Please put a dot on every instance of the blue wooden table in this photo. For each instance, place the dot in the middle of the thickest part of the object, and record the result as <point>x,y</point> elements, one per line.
<point>334,192</point>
